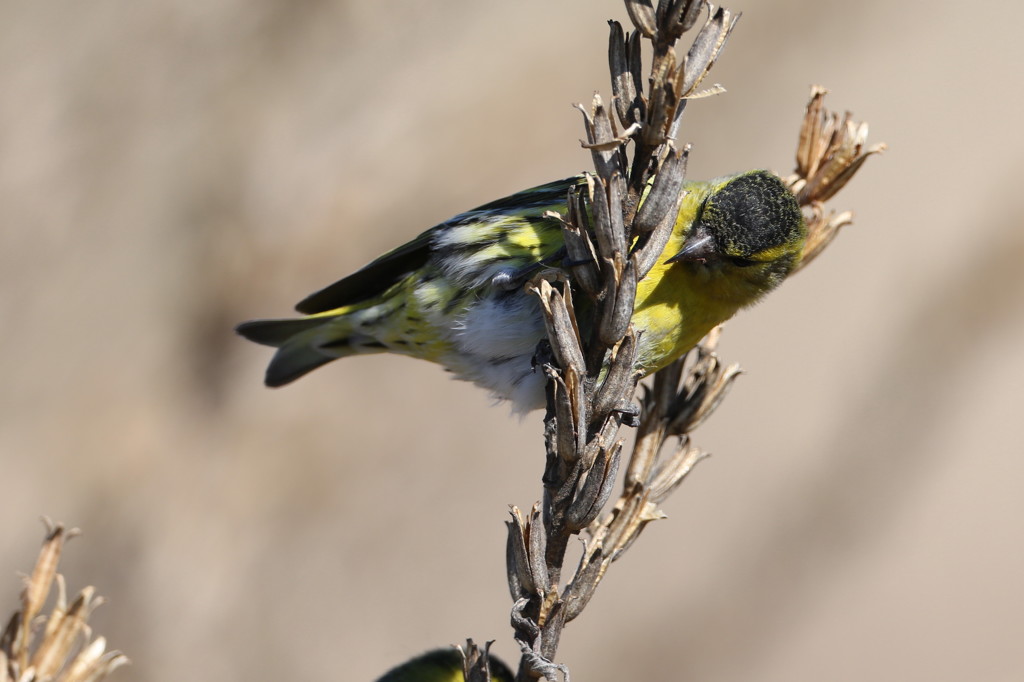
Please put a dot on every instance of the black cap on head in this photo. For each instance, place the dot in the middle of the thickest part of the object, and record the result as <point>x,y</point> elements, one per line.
<point>752,213</point>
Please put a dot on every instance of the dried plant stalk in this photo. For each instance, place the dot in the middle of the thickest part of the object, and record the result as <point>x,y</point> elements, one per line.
<point>592,379</point>
<point>475,662</point>
<point>57,647</point>
<point>612,243</point>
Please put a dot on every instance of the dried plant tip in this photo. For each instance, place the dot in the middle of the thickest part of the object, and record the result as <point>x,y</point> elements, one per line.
<point>584,584</point>
<point>595,491</point>
<point>615,143</point>
<point>537,549</point>
<point>635,512</point>
<point>689,13</point>
<point>623,85</point>
<point>672,472</point>
<point>645,452</point>
<point>714,90</point>
<point>609,228</point>
<point>641,13</point>
<point>652,245</point>
<point>655,224</point>
<point>624,65</point>
<point>705,49</point>
<point>561,498</point>
<point>675,17</point>
<point>815,133</point>
<point>605,146</point>
<point>704,399</point>
<point>564,398</point>
<point>845,158</point>
<point>664,100</point>
<point>62,634</point>
<point>527,572</point>
<point>517,562</point>
<point>619,380</point>
<point>655,408</point>
<point>634,54</point>
<point>615,321</point>
<point>61,646</point>
<point>93,664</point>
<point>9,640</point>
<point>582,256</point>
<point>830,151</point>
<point>561,326</point>
<point>37,587</point>
<point>821,230</point>
<point>572,414</point>
<point>648,512</point>
<point>475,662</point>
<point>665,197</point>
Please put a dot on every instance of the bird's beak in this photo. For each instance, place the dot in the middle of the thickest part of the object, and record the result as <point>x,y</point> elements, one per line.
<point>698,246</point>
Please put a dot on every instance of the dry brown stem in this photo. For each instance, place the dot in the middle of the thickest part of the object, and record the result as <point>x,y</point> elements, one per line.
<point>58,647</point>
<point>612,241</point>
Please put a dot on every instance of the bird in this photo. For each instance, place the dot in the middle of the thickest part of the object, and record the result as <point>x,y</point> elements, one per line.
<point>442,665</point>
<point>454,295</point>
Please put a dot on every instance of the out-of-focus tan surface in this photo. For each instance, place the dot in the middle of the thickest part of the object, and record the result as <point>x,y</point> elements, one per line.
<point>169,169</point>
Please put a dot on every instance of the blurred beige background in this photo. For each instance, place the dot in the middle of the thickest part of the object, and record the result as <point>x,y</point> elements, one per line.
<point>169,169</point>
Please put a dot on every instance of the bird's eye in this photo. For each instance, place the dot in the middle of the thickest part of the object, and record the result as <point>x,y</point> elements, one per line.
<point>741,262</point>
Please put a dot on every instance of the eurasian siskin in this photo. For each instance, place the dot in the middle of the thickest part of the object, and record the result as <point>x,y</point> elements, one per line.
<point>442,665</point>
<point>454,294</point>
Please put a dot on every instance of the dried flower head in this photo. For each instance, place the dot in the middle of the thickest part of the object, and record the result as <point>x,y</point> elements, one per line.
<point>58,647</point>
